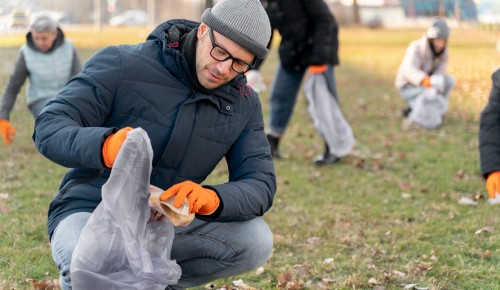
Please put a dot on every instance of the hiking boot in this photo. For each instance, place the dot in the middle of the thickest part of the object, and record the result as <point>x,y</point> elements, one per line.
<point>406,112</point>
<point>326,158</point>
<point>274,142</point>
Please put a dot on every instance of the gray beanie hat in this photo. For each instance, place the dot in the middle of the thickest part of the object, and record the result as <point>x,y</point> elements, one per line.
<point>438,29</point>
<point>243,21</point>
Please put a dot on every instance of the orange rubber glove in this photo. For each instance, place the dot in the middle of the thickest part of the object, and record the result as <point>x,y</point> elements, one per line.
<point>201,200</point>
<point>318,69</point>
<point>426,82</point>
<point>112,145</point>
<point>7,131</point>
<point>493,183</point>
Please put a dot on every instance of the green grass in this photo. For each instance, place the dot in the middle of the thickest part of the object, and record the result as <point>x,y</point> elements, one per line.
<point>353,212</point>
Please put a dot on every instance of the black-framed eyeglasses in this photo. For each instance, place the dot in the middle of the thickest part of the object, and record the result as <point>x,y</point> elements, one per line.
<point>220,54</point>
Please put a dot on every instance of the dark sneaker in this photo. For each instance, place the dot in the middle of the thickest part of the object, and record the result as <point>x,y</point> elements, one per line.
<point>274,142</point>
<point>406,112</point>
<point>326,158</point>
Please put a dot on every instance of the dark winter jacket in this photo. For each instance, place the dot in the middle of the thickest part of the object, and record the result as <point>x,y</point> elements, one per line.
<point>489,132</point>
<point>149,85</point>
<point>308,30</point>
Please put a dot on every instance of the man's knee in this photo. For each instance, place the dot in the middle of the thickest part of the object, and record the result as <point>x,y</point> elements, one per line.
<point>257,244</point>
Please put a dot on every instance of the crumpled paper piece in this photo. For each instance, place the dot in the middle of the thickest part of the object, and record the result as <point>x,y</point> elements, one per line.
<point>178,216</point>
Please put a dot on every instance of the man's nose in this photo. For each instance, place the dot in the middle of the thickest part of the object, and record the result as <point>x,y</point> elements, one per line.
<point>225,66</point>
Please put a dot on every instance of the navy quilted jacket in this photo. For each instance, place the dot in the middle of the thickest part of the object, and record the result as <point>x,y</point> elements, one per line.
<point>148,85</point>
<point>489,133</point>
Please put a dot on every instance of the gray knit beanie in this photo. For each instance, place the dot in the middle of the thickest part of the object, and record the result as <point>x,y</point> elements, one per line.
<point>438,29</point>
<point>243,21</point>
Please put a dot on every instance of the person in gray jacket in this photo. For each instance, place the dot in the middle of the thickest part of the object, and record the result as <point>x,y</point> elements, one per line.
<point>49,60</point>
<point>185,86</point>
<point>424,58</point>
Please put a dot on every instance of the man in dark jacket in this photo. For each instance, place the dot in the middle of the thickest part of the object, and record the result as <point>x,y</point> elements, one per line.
<point>309,38</point>
<point>185,87</point>
<point>489,141</point>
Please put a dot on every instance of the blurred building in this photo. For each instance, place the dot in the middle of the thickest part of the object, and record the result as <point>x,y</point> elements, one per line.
<point>461,9</point>
<point>398,13</point>
<point>372,13</point>
<point>82,12</point>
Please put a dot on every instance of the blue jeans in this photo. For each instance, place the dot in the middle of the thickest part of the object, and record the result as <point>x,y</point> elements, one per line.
<point>205,251</point>
<point>409,93</point>
<point>284,91</point>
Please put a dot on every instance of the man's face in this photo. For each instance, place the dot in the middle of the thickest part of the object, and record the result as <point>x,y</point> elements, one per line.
<point>439,44</point>
<point>212,73</point>
<point>43,39</point>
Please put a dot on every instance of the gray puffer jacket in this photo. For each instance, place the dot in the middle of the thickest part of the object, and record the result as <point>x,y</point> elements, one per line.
<point>149,85</point>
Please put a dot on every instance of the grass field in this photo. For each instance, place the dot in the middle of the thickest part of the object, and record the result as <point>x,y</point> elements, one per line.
<point>386,217</point>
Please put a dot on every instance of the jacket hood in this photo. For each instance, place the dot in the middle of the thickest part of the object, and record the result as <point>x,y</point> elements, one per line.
<point>57,42</point>
<point>160,32</point>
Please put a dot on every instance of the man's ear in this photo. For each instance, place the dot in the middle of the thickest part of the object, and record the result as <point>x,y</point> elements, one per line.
<point>202,30</point>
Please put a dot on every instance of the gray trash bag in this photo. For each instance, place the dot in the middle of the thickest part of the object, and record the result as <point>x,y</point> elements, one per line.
<point>327,116</point>
<point>117,248</point>
<point>429,108</point>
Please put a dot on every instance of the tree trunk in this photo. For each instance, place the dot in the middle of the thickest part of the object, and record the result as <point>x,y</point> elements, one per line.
<point>355,8</point>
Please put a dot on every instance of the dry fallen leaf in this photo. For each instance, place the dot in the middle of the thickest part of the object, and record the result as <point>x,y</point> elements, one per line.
<point>378,166</point>
<point>313,240</point>
<point>44,284</point>
<point>327,281</point>
<point>359,163</point>
<point>486,254</point>
<point>374,281</point>
<point>400,274</point>
<point>488,229</point>
<point>460,174</point>
<point>406,186</point>
<point>467,201</point>
<point>284,278</point>
<point>294,286</point>
<point>241,285</point>
<point>259,271</point>
<point>4,209</point>
<point>328,260</point>
<point>302,270</point>
<point>349,281</point>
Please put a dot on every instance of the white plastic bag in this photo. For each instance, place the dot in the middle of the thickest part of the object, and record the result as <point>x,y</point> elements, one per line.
<point>255,81</point>
<point>429,109</point>
<point>117,248</point>
<point>438,82</point>
<point>327,116</point>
